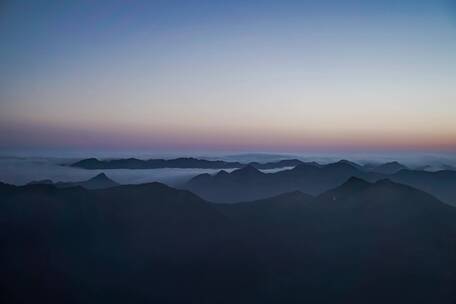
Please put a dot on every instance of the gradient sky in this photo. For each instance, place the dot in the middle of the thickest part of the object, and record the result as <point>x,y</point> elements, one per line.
<point>228,75</point>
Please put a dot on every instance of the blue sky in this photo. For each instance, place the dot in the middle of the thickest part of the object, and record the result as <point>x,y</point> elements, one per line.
<point>228,75</point>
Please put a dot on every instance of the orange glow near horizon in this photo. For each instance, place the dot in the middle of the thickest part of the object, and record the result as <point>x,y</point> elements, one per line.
<point>348,76</point>
<point>253,139</point>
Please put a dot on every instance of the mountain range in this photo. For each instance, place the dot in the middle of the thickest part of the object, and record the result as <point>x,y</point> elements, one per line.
<point>189,162</point>
<point>249,183</point>
<point>100,181</point>
<point>360,242</point>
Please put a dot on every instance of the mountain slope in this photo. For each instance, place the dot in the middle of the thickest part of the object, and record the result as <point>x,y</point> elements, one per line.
<point>361,242</point>
<point>358,243</point>
<point>135,243</point>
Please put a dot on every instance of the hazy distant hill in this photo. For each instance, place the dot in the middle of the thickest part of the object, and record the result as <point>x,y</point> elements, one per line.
<point>134,163</point>
<point>100,181</point>
<point>386,168</point>
<point>187,162</point>
<point>249,183</point>
<point>442,184</point>
<point>358,243</point>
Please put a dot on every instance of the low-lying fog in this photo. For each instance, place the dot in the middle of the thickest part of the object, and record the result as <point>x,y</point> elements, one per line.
<point>20,171</point>
<point>23,169</point>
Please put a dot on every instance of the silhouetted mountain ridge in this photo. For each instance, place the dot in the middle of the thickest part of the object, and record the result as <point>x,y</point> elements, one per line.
<point>100,181</point>
<point>386,168</point>
<point>183,162</point>
<point>190,162</point>
<point>312,179</point>
<point>360,242</point>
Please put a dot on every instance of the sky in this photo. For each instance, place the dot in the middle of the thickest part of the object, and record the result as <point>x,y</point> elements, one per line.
<point>289,76</point>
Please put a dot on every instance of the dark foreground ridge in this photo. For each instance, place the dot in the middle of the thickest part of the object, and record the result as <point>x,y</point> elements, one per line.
<point>361,242</point>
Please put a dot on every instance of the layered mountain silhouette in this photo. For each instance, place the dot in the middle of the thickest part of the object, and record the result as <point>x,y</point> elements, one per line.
<point>100,181</point>
<point>134,163</point>
<point>190,162</point>
<point>184,162</point>
<point>248,183</point>
<point>361,242</point>
<point>386,168</point>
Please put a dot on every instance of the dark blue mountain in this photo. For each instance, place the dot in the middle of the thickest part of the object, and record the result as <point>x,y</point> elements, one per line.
<point>360,242</point>
<point>241,185</point>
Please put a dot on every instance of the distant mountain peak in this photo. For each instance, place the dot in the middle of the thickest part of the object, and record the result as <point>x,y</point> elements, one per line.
<point>247,170</point>
<point>99,181</point>
<point>101,176</point>
<point>353,184</point>
<point>306,165</point>
<point>386,168</point>
<point>90,160</point>
<point>395,162</point>
<point>349,187</point>
<point>344,163</point>
<point>222,173</point>
<point>41,182</point>
<point>353,180</point>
